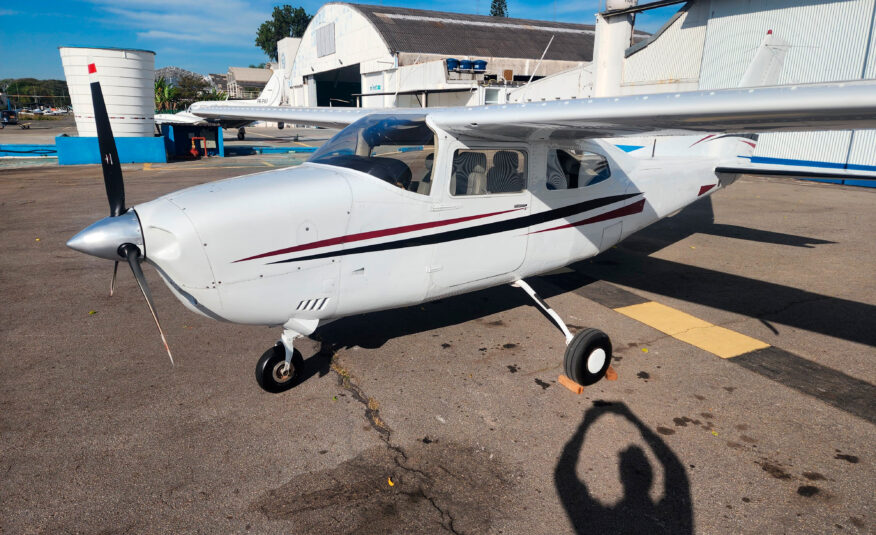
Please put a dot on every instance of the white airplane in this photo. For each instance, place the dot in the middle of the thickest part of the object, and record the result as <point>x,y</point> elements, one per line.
<point>271,96</point>
<point>405,206</point>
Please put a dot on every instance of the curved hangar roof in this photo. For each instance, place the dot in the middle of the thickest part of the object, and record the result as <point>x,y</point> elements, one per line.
<point>436,32</point>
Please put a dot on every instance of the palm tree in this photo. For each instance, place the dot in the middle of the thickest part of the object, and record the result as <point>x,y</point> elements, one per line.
<point>160,86</point>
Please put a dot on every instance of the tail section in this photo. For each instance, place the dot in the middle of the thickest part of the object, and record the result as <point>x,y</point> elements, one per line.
<point>272,94</point>
<point>766,67</point>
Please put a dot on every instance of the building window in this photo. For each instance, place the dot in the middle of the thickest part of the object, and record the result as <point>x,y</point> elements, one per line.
<point>486,172</point>
<point>325,40</point>
<point>570,169</point>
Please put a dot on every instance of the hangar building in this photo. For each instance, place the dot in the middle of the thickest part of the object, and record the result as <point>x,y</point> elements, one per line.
<point>380,56</point>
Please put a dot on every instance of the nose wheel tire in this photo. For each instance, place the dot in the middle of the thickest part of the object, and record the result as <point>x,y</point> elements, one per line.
<point>588,356</point>
<point>273,374</point>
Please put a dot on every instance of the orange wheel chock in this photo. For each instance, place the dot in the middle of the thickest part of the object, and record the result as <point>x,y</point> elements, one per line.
<point>570,384</point>
<point>610,374</point>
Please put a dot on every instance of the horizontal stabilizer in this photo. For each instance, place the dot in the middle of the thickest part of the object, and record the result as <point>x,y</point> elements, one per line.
<point>794,174</point>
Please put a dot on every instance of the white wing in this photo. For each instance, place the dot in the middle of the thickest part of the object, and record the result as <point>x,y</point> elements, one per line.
<point>327,117</point>
<point>839,106</point>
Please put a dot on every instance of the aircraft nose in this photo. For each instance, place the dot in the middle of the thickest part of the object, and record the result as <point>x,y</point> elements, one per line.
<point>104,238</point>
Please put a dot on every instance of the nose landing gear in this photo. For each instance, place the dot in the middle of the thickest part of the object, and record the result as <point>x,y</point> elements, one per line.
<point>274,374</point>
<point>280,367</point>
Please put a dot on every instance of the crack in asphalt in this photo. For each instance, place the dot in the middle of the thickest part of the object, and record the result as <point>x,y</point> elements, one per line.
<point>372,415</point>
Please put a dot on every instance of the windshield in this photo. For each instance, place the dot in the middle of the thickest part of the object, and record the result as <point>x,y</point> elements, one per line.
<point>398,149</point>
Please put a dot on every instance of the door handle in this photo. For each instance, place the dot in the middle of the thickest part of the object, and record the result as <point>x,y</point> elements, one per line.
<point>443,207</point>
<point>524,205</point>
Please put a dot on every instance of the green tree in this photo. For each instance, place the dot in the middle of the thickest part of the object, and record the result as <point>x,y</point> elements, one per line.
<point>286,21</point>
<point>214,94</point>
<point>499,8</point>
<point>190,89</point>
<point>160,89</point>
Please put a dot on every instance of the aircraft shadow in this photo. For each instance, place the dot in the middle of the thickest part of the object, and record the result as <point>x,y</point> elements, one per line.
<point>374,329</point>
<point>630,265</point>
<point>636,512</point>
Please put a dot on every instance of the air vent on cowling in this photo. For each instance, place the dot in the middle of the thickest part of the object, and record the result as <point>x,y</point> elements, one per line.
<point>313,304</point>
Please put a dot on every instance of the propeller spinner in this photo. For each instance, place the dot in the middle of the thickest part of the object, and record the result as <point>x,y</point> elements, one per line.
<point>119,236</point>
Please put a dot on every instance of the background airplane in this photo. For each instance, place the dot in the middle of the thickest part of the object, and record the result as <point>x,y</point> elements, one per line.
<point>271,96</point>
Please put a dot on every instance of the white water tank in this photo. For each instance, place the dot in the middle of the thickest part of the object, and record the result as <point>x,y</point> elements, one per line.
<point>126,78</point>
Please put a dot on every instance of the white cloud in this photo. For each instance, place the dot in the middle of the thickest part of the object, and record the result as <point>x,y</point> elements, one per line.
<point>232,23</point>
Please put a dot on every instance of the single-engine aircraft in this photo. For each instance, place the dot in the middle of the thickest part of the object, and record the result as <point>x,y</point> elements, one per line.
<point>404,206</point>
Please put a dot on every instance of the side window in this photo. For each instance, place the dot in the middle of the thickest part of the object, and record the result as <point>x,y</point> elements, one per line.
<point>418,159</point>
<point>570,169</point>
<point>485,172</point>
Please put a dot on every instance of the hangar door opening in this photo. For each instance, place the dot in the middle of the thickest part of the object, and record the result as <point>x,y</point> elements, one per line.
<point>336,88</point>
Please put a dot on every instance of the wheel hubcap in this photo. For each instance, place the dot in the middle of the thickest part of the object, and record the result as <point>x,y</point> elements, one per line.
<point>282,372</point>
<point>596,360</point>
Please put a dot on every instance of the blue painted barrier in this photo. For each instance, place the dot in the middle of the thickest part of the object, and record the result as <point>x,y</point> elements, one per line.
<point>84,150</point>
<point>28,151</point>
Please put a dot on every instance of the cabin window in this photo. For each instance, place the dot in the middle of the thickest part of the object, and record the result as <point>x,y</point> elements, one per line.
<point>488,172</point>
<point>398,149</point>
<point>572,168</point>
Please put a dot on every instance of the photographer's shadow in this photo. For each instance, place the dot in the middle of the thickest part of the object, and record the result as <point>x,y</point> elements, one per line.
<point>636,512</point>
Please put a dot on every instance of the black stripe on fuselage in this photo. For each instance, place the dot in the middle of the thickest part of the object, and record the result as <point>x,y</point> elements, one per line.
<point>475,231</point>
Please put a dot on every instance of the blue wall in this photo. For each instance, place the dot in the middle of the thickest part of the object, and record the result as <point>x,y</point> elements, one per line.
<point>84,150</point>
<point>26,151</point>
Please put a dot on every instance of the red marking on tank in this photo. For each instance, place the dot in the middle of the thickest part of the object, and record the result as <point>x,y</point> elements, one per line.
<point>630,209</point>
<point>373,234</point>
<point>704,189</point>
<point>749,143</point>
<point>91,68</point>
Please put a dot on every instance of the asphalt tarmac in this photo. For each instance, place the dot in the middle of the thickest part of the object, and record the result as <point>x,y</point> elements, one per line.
<point>448,416</point>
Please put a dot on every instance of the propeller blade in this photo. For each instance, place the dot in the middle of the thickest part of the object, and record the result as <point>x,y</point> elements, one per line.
<point>113,282</point>
<point>132,254</point>
<point>109,157</point>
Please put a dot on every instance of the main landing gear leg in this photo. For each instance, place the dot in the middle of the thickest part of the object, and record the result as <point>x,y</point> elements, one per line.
<point>279,368</point>
<point>588,353</point>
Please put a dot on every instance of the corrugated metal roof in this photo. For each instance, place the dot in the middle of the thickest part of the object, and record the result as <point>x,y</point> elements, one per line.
<point>435,32</point>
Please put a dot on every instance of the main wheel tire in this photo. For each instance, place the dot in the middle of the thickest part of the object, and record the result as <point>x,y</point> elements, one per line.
<point>269,370</point>
<point>241,134</point>
<point>588,356</point>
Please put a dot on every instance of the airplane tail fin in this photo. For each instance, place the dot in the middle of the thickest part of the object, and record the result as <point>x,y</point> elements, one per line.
<point>272,94</point>
<point>766,67</point>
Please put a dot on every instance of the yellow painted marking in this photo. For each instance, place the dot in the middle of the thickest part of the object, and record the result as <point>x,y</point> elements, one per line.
<point>269,164</point>
<point>696,332</point>
<point>147,166</point>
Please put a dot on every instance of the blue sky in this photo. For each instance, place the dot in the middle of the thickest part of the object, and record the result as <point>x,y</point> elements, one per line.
<point>202,36</point>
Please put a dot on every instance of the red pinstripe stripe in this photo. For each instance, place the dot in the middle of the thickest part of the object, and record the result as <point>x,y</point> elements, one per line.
<point>373,234</point>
